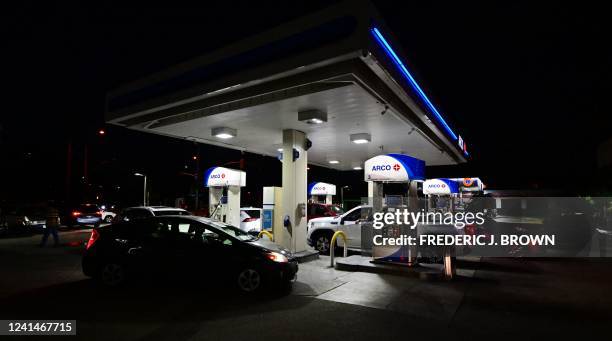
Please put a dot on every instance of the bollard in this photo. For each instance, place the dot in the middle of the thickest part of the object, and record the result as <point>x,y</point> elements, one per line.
<point>264,232</point>
<point>331,246</point>
<point>449,264</point>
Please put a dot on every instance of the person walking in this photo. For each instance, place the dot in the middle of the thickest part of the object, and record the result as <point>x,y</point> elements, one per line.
<point>52,224</point>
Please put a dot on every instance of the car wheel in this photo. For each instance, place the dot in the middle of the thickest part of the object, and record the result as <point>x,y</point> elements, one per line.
<point>249,280</point>
<point>112,274</point>
<point>108,219</point>
<point>322,243</point>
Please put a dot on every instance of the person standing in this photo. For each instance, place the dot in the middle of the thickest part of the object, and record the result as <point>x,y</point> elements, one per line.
<point>52,224</point>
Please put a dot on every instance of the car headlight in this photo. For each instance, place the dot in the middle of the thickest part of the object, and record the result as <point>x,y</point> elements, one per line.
<point>277,257</point>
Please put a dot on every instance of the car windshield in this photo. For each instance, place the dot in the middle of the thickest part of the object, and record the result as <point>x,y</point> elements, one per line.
<point>231,230</point>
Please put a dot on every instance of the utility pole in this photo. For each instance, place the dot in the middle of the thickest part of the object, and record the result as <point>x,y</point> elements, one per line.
<point>197,177</point>
<point>68,170</point>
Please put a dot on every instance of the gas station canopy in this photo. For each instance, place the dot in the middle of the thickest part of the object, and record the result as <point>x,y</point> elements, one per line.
<point>337,75</point>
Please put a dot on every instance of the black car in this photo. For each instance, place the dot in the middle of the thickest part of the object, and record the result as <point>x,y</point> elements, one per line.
<point>170,246</point>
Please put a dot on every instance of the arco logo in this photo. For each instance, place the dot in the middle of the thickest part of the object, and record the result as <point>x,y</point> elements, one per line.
<point>377,168</point>
<point>318,188</point>
<point>222,175</point>
<point>436,186</point>
<point>467,182</point>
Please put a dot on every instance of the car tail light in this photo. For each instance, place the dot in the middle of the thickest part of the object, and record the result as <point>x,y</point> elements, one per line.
<point>277,257</point>
<point>248,220</point>
<point>471,230</point>
<point>76,213</point>
<point>92,240</point>
<point>99,213</point>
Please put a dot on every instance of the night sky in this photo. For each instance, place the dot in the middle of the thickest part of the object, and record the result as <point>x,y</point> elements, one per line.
<point>525,84</point>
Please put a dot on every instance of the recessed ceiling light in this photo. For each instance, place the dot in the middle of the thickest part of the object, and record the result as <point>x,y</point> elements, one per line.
<point>280,149</point>
<point>312,116</point>
<point>361,138</point>
<point>224,132</point>
<point>333,162</point>
<point>357,168</point>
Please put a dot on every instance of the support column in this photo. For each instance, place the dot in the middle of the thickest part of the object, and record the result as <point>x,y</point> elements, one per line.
<point>294,191</point>
<point>233,206</point>
<point>375,195</point>
<point>328,199</point>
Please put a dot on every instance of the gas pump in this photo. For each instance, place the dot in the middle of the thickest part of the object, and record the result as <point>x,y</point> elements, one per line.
<point>319,189</point>
<point>224,193</point>
<point>467,187</point>
<point>394,168</point>
<point>440,194</point>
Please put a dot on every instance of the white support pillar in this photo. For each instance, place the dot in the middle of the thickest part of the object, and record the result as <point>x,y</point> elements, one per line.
<point>328,199</point>
<point>375,195</point>
<point>294,191</point>
<point>232,216</point>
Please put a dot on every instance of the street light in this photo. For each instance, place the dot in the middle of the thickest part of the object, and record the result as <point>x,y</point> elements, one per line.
<point>342,195</point>
<point>144,196</point>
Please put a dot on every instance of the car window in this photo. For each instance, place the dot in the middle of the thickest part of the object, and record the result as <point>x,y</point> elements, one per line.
<point>136,213</point>
<point>320,210</point>
<point>230,230</point>
<point>171,212</point>
<point>353,215</point>
<point>311,209</point>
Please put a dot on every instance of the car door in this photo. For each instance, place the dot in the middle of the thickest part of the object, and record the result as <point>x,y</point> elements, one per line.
<point>147,245</point>
<point>351,227</point>
<point>197,249</point>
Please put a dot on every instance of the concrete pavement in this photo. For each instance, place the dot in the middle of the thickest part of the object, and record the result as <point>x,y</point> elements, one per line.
<point>505,298</point>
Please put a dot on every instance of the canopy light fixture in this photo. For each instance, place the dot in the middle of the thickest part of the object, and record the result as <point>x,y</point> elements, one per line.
<point>312,116</point>
<point>224,132</point>
<point>333,162</point>
<point>357,168</point>
<point>361,138</point>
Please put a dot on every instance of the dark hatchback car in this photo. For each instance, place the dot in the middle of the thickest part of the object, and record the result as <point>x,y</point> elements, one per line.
<point>186,247</point>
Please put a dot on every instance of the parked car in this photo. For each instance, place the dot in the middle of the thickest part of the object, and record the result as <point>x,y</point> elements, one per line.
<point>321,230</point>
<point>108,216</point>
<point>319,210</point>
<point>141,212</point>
<point>84,214</point>
<point>176,246</point>
<point>108,212</point>
<point>19,220</point>
<point>250,219</point>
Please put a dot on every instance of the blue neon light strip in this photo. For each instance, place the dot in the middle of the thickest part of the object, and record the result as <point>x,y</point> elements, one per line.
<point>383,42</point>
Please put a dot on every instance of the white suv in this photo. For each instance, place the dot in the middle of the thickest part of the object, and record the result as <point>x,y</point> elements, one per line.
<point>321,230</point>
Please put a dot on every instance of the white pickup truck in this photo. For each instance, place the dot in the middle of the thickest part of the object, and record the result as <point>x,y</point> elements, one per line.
<point>321,230</point>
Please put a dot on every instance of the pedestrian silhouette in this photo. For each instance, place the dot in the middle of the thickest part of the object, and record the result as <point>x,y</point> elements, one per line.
<point>52,224</point>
